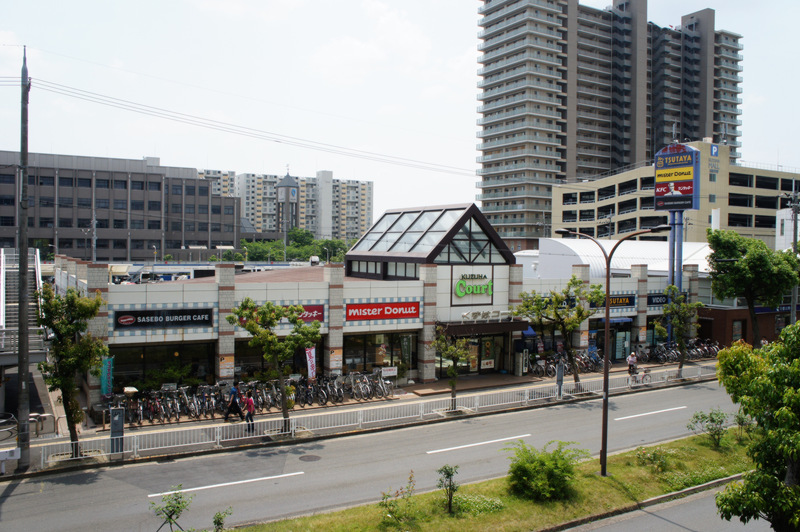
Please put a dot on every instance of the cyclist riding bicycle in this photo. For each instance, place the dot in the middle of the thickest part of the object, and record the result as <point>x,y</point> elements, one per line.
<point>632,363</point>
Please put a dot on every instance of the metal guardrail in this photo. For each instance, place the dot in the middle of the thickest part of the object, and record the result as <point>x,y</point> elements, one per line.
<point>132,447</point>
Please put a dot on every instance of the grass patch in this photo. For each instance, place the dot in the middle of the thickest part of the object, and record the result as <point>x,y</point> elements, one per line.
<point>634,476</point>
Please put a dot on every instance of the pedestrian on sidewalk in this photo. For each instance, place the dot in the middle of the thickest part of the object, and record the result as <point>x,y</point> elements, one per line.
<point>250,409</point>
<point>632,360</point>
<point>233,404</point>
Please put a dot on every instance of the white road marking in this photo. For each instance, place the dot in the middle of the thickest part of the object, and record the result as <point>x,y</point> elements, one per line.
<point>226,484</point>
<point>650,413</point>
<point>477,444</point>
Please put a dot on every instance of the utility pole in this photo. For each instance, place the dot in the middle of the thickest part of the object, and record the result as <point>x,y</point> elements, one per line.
<point>793,203</point>
<point>23,394</point>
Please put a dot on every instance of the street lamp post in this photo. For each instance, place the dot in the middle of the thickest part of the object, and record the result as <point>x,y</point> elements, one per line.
<point>327,255</point>
<point>155,254</point>
<point>606,356</point>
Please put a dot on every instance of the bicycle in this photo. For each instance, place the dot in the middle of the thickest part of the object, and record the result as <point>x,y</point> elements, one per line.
<point>635,380</point>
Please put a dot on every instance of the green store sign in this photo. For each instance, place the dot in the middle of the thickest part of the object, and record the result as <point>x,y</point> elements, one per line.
<point>464,286</point>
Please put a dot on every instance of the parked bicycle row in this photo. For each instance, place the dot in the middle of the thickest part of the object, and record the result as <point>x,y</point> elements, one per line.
<point>592,362</point>
<point>205,401</point>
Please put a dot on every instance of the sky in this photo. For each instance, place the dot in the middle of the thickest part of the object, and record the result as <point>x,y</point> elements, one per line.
<point>377,90</point>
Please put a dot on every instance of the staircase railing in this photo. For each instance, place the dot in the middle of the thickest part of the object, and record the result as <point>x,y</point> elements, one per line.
<point>3,288</point>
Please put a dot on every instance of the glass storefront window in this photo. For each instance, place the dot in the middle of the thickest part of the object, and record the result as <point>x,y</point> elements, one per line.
<point>363,353</point>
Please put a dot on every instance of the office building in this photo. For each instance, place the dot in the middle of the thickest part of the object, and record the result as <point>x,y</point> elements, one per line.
<point>98,208</point>
<point>572,93</point>
<point>731,196</point>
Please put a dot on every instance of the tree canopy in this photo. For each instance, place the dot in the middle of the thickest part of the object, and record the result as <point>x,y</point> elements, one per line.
<point>765,383</point>
<point>746,267</point>
<point>563,311</point>
<point>274,250</point>
<point>453,349</point>
<point>262,322</point>
<point>680,314</point>
<point>74,351</point>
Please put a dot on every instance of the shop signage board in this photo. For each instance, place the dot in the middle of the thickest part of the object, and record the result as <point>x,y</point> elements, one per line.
<point>472,285</point>
<point>677,176</point>
<point>163,318</point>
<point>618,301</point>
<point>382,311</point>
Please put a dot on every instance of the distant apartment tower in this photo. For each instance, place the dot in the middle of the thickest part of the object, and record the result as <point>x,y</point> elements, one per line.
<point>223,183</point>
<point>570,93</point>
<point>330,208</point>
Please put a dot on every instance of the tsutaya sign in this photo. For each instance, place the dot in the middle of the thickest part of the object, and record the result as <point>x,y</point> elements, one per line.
<point>677,169</point>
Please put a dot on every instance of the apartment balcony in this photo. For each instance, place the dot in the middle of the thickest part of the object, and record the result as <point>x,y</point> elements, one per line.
<point>520,166</point>
<point>518,46</point>
<point>519,72</point>
<point>527,193</point>
<point>506,208</point>
<point>517,85</point>
<point>516,154</point>
<point>494,183</point>
<point>725,97</point>
<point>727,87</point>
<point>523,18</point>
<point>519,126</point>
<point>537,3</point>
<point>518,140</point>
<point>724,52</point>
<point>729,45</point>
<point>517,59</point>
<point>730,77</point>
<point>517,99</point>
<point>519,113</point>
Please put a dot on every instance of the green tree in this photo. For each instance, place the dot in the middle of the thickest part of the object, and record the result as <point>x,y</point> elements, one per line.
<point>455,350</point>
<point>74,351</point>
<point>300,237</point>
<point>746,267</point>
<point>765,383</point>
<point>238,257</point>
<point>563,311</point>
<point>172,506</point>
<point>263,323</point>
<point>681,315</point>
<point>227,255</point>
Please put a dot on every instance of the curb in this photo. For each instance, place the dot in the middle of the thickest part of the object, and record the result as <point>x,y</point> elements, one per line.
<point>643,504</point>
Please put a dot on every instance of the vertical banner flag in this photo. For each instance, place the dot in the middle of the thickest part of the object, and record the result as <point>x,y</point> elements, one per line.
<point>107,376</point>
<point>311,358</point>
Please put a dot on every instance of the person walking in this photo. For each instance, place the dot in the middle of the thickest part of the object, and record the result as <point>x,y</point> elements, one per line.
<point>250,409</point>
<point>632,363</point>
<point>233,404</point>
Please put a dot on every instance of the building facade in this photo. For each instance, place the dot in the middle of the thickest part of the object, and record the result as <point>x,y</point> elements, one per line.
<point>570,92</point>
<point>731,196</point>
<point>330,208</point>
<point>104,209</point>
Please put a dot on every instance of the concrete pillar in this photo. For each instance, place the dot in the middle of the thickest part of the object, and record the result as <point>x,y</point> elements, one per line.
<point>225,362</point>
<point>580,337</point>
<point>81,272</point>
<point>692,272</point>
<point>333,274</point>
<point>639,330</point>
<point>426,368</point>
<point>96,281</point>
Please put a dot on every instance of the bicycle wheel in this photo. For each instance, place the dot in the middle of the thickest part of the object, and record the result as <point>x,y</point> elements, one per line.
<point>550,370</point>
<point>322,397</point>
<point>646,378</point>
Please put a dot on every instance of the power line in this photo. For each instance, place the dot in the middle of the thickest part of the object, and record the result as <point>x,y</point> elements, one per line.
<point>245,131</point>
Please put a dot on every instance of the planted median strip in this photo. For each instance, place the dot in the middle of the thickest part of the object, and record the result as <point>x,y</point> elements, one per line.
<point>634,477</point>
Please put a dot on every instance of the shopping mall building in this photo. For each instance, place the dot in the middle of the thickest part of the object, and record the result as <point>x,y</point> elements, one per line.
<point>414,270</point>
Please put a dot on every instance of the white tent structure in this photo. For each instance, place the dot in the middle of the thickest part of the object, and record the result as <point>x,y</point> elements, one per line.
<point>556,256</point>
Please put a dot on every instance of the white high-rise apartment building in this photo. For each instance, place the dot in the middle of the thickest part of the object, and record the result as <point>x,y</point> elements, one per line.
<point>572,93</point>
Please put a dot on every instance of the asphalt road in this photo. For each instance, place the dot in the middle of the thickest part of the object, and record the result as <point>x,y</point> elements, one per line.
<point>695,513</point>
<point>272,483</point>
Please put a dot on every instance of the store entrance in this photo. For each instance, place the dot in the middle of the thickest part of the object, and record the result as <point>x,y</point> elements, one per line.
<point>487,354</point>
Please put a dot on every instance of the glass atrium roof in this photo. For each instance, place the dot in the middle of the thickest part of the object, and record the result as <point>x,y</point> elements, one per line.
<point>451,234</point>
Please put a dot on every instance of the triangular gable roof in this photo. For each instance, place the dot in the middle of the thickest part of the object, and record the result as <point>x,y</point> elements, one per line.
<point>445,234</point>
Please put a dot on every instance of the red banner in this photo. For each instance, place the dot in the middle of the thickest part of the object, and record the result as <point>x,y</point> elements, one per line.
<point>382,311</point>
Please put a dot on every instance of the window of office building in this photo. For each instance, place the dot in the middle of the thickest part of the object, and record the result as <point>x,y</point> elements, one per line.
<point>85,203</point>
<point>175,225</point>
<point>65,181</point>
<point>137,185</point>
<point>189,226</point>
<point>189,190</point>
<point>153,186</point>
<point>154,224</point>
<point>45,222</point>
<point>228,209</point>
<point>137,224</point>
<point>101,203</point>
<point>202,209</point>
<point>153,205</point>
<point>203,191</point>
<point>84,182</point>
<point>137,205</point>
<point>102,223</point>
<point>101,183</point>
<point>120,224</point>
<point>65,222</point>
<point>189,209</point>
<point>120,185</point>
<point>120,204</point>
<point>176,190</point>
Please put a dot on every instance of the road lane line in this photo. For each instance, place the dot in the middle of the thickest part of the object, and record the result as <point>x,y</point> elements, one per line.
<point>477,444</point>
<point>226,484</point>
<point>650,413</point>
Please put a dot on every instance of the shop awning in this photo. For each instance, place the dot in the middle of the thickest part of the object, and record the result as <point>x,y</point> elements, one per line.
<point>529,332</point>
<point>489,327</point>
<point>617,320</point>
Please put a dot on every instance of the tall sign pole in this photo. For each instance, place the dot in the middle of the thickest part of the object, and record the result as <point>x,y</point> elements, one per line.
<point>23,400</point>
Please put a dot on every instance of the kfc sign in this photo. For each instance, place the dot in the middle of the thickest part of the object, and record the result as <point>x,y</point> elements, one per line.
<point>382,311</point>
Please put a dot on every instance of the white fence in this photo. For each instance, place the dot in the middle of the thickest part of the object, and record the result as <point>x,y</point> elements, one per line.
<point>204,438</point>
